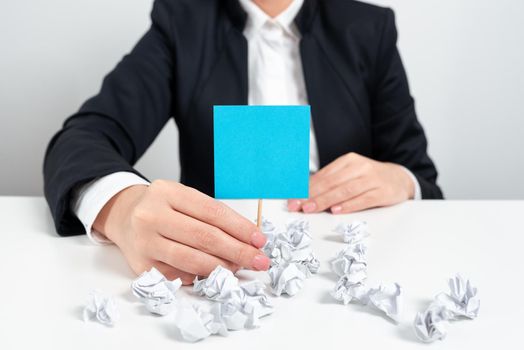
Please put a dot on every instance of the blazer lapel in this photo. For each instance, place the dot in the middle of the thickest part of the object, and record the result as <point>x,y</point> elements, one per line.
<point>335,91</point>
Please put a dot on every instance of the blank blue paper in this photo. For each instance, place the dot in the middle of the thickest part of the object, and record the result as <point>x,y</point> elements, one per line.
<point>261,151</point>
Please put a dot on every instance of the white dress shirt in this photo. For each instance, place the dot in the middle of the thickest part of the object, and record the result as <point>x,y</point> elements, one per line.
<point>275,78</point>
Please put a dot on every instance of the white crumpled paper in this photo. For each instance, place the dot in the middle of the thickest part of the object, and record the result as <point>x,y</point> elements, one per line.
<point>350,264</point>
<point>254,302</point>
<point>235,306</point>
<point>292,258</point>
<point>269,229</point>
<point>353,232</point>
<point>218,285</point>
<point>461,302</point>
<point>156,291</point>
<point>100,308</point>
<point>351,261</point>
<point>248,299</point>
<point>286,278</point>
<point>387,298</point>
<point>347,291</point>
<point>243,307</point>
<point>430,325</point>
<point>194,323</point>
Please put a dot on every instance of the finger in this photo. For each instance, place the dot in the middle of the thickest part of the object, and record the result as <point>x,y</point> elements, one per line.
<point>367,200</point>
<point>294,205</point>
<point>204,208</point>
<point>172,273</point>
<point>322,184</point>
<point>318,183</point>
<point>347,190</point>
<point>189,259</point>
<point>209,239</point>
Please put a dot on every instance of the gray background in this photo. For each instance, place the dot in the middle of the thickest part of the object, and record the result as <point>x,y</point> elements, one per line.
<point>465,62</point>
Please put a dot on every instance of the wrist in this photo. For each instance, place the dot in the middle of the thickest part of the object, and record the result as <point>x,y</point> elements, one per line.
<point>405,183</point>
<point>110,221</point>
<point>409,184</point>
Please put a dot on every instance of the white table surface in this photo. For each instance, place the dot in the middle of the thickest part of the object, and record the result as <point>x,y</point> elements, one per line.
<point>44,281</point>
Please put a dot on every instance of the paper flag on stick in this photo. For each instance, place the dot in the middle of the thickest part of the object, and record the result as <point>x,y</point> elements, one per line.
<point>261,151</point>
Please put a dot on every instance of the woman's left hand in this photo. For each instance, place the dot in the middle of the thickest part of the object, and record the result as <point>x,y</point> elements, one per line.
<point>352,183</point>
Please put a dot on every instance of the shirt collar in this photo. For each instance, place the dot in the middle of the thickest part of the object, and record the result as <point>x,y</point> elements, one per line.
<point>257,18</point>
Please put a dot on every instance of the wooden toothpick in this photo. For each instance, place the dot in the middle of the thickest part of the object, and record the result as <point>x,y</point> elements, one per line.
<point>259,214</point>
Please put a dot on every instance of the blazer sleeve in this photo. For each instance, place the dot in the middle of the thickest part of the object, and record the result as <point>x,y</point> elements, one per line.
<point>114,128</point>
<point>397,135</point>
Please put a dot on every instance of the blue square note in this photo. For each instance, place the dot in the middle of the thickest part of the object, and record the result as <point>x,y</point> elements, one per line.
<point>261,151</point>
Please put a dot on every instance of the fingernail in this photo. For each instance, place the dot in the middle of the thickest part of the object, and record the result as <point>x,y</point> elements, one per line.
<point>261,262</point>
<point>336,209</point>
<point>293,205</point>
<point>258,239</point>
<point>309,207</point>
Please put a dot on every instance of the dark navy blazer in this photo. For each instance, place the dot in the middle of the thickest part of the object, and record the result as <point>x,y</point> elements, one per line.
<point>194,56</point>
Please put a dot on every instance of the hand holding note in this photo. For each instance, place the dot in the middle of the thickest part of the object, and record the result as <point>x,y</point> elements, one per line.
<point>180,231</point>
<point>260,152</point>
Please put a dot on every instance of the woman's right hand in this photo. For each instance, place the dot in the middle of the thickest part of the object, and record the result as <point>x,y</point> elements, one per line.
<point>180,231</point>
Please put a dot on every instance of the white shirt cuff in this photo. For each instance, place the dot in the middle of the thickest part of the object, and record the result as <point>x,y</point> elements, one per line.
<point>90,198</point>
<point>417,193</point>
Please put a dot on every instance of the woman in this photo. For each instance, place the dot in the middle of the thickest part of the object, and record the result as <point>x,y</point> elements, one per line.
<point>339,56</point>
